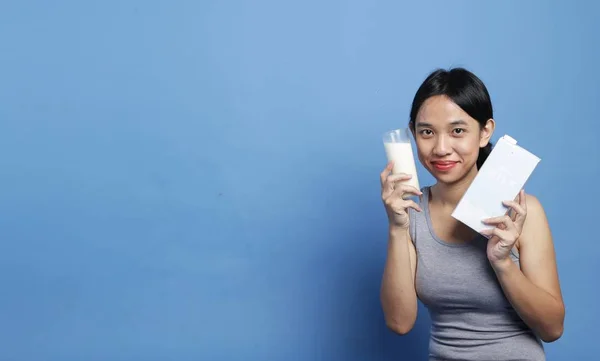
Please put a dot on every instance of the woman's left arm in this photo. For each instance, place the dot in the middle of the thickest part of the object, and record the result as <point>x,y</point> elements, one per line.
<point>534,289</point>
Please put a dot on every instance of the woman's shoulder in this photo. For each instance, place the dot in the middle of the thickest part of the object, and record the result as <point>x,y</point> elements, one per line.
<point>534,208</point>
<point>533,200</point>
<point>536,228</point>
<point>421,201</point>
<point>418,220</point>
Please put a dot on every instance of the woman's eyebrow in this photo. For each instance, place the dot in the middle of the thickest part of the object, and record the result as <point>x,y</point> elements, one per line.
<point>454,122</point>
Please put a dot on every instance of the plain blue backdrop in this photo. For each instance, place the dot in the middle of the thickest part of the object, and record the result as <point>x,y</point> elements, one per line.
<point>198,180</point>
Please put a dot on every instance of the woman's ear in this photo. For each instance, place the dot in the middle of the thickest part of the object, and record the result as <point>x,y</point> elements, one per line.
<point>486,132</point>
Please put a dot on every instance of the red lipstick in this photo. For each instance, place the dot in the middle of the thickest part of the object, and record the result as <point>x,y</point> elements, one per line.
<point>444,165</point>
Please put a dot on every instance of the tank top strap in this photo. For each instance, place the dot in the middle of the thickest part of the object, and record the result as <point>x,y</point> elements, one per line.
<point>414,215</point>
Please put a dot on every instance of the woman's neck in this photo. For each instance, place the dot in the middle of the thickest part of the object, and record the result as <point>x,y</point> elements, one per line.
<point>448,195</point>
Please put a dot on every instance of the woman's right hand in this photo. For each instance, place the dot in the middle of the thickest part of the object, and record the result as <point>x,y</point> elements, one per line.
<point>393,193</point>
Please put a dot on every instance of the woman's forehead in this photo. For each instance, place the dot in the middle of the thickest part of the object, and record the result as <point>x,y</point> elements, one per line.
<point>440,110</point>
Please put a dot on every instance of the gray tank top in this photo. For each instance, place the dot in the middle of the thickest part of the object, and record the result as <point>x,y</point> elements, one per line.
<point>471,317</point>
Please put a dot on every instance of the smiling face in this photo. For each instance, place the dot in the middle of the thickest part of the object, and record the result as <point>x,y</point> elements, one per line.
<point>448,139</point>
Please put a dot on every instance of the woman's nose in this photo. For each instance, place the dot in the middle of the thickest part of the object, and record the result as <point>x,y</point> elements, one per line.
<point>442,147</point>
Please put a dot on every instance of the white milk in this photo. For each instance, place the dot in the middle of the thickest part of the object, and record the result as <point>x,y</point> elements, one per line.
<point>404,162</point>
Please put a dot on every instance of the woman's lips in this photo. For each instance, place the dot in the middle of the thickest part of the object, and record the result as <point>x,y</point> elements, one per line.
<point>444,165</point>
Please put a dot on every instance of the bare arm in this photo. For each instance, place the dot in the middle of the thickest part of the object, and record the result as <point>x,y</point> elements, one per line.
<point>534,290</point>
<point>398,295</point>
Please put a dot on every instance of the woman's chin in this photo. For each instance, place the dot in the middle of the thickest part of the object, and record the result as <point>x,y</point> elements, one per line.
<point>453,176</point>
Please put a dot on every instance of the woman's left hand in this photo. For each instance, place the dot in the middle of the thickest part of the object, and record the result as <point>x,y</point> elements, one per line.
<point>506,233</point>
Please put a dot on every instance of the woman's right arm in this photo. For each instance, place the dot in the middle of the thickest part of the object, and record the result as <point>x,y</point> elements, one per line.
<point>398,294</point>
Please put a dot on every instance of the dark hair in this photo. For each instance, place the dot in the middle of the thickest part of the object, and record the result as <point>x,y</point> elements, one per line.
<point>466,90</point>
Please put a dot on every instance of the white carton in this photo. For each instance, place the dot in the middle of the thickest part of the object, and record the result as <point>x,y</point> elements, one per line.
<point>501,178</point>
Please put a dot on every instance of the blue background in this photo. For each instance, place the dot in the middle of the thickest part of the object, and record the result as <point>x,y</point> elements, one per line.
<point>199,180</point>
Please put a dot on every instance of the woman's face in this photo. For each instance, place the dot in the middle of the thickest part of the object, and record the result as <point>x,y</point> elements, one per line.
<point>448,139</point>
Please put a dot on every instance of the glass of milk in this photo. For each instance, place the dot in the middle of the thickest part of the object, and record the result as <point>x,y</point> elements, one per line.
<point>398,148</point>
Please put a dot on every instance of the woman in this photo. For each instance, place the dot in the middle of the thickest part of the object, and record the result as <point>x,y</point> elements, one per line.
<point>489,298</point>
